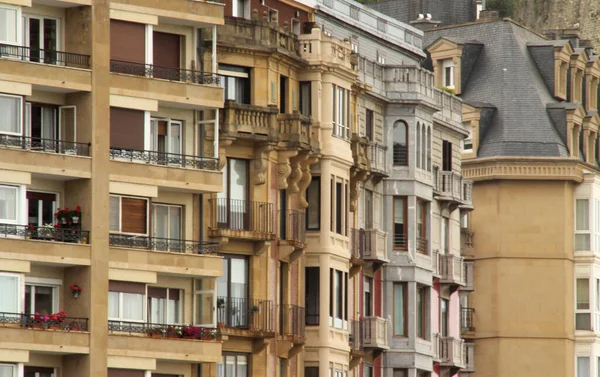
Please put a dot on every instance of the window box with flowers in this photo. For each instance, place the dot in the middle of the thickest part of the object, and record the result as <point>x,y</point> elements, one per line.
<point>68,225</point>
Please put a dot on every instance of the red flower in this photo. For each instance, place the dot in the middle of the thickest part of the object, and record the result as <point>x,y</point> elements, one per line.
<point>31,227</point>
<point>70,223</point>
<point>78,209</point>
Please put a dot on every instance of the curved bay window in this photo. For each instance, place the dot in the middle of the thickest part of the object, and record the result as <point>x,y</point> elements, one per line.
<point>400,135</point>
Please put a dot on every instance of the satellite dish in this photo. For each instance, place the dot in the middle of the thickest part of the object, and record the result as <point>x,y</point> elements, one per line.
<point>428,17</point>
<point>420,16</point>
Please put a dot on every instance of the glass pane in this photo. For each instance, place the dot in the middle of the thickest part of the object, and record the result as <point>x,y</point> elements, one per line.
<point>583,367</point>
<point>222,280</point>
<point>161,218</point>
<point>583,321</point>
<point>204,308</point>
<point>156,310</point>
<point>34,39</point>
<point>242,366</point>
<point>399,309</point>
<point>47,212</point>
<point>582,214</point>
<point>113,305</point>
<point>172,311</point>
<point>48,123</point>
<point>43,300</point>
<point>6,370</point>
<point>230,366</point>
<point>238,179</point>
<point>175,223</point>
<point>114,209</point>
<point>313,204</point>
<point>175,138</point>
<point>10,114</point>
<point>9,286</point>
<point>133,306</point>
<point>8,25</point>
<point>583,294</point>
<point>28,308</point>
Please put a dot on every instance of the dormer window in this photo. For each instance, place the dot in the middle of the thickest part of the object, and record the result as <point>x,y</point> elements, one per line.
<point>467,144</point>
<point>448,73</point>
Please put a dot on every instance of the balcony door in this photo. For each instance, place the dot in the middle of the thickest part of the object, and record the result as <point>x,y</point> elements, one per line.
<point>41,36</point>
<point>41,209</point>
<point>165,138</point>
<point>41,124</point>
<point>232,204</point>
<point>166,227</point>
<point>41,298</point>
<point>232,291</point>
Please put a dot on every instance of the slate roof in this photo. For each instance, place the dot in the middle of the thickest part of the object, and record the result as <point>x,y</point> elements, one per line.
<point>515,118</point>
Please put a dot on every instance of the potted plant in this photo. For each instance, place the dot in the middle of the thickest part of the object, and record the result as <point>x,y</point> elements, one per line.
<point>174,332</point>
<point>207,334</point>
<point>76,290</point>
<point>154,332</point>
<point>56,319</point>
<point>41,321</point>
<point>191,332</point>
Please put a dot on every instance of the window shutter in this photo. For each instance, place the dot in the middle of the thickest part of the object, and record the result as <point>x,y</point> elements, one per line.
<point>156,292</point>
<point>126,287</point>
<point>128,41</point>
<point>134,215</point>
<point>126,129</point>
<point>32,195</point>
<point>174,294</point>
<point>125,373</point>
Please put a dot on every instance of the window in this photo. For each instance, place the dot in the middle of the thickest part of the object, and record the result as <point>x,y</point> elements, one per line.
<point>128,215</point>
<point>311,371</point>
<point>448,73</point>
<point>444,304</point>
<point>341,112</point>
<point>11,110</point>
<point>422,218</point>
<point>339,210</point>
<point>167,220</point>
<point>368,297</point>
<point>369,117</point>
<point>400,231</point>
<point>313,295</point>
<point>41,122</point>
<point>468,141</point>
<point>232,202</point>
<point>422,311</point>
<point>429,149</point>
<point>8,204</point>
<point>233,365</point>
<point>10,291</point>
<point>400,307</point>
<point>41,208</point>
<point>41,299</point>
<point>30,371</point>
<point>8,370</point>
<point>444,239</point>
<point>232,291</point>
<point>400,373</point>
<point>583,366</point>
<point>39,34</point>
<point>582,224</point>
<point>338,300</point>
<point>446,156</point>
<point>305,98</point>
<point>283,94</point>
<point>113,372</point>
<point>165,138</point>
<point>582,312</point>
<point>369,209</point>
<point>205,302</point>
<point>10,24</point>
<point>240,8</point>
<point>237,81</point>
<point>367,371</point>
<point>164,305</point>
<point>400,154</point>
<point>126,301</point>
<point>313,197</point>
<point>424,147</point>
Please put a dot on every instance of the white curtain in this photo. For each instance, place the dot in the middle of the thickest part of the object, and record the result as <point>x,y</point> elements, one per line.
<point>8,204</point>
<point>238,278</point>
<point>8,25</point>
<point>9,290</point>
<point>172,311</point>
<point>161,221</point>
<point>175,138</point>
<point>175,222</point>
<point>48,123</point>
<point>113,304</point>
<point>242,366</point>
<point>114,210</point>
<point>583,367</point>
<point>157,310</point>
<point>133,306</point>
<point>10,111</point>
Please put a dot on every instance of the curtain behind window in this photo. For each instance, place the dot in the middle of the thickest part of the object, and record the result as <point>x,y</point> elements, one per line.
<point>9,287</point>
<point>10,113</point>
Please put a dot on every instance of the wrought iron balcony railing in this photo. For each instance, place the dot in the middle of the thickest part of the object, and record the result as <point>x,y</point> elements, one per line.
<point>173,74</point>
<point>163,244</point>
<point>466,319</point>
<point>43,322</point>
<point>67,59</point>
<point>45,145</point>
<point>242,215</point>
<point>292,227</point>
<point>246,314</point>
<point>400,155</point>
<point>422,243</point>
<point>166,159</point>
<point>292,321</point>
<point>43,233</point>
<point>162,330</point>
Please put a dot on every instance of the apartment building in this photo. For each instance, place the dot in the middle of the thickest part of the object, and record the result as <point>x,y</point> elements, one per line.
<point>103,164</point>
<point>530,106</point>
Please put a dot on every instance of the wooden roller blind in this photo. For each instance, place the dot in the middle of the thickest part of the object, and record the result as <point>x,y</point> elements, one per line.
<point>134,215</point>
<point>126,129</point>
<point>32,195</point>
<point>126,287</point>
<point>166,50</point>
<point>128,41</point>
<point>158,292</point>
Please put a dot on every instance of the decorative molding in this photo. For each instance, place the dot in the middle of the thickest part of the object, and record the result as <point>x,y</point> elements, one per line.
<point>306,178</point>
<point>296,174</point>
<point>356,176</point>
<point>261,162</point>
<point>524,169</point>
<point>284,168</point>
<point>223,144</point>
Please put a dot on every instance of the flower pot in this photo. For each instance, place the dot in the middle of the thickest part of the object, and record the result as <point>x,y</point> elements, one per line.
<point>75,295</point>
<point>63,221</point>
<point>75,219</point>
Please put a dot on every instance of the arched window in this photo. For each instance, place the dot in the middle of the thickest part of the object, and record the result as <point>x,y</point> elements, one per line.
<point>424,147</point>
<point>400,156</point>
<point>429,149</point>
<point>418,145</point>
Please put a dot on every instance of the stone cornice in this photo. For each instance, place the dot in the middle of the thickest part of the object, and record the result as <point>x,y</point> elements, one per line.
<point>525,168</point>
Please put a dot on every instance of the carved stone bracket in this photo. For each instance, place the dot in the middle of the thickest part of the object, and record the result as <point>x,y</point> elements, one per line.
<point>261,162</point>
<point>284,168</point>
<point>223,144</point>
<point>357,176</point>
<point>296,174</point>
<point>306,178</point>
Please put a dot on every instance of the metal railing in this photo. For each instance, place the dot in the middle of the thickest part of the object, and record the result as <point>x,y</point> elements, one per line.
<point>422,243</point>
<point>162,330</point>
<point>400,155</point>
<point>292,321</point>
<point>166,159</point>
<point>173,74</point>
<point>163,244</point>
<point>43,321</point>
<point>37,55</point>
<point>466,319</point>
<point>245,313</point>
<point>400,241</point>
<point>244,215</point>
<point>294,229</point>
<point>43,233</point>
<point>356,336</point>
<point>45,145</point>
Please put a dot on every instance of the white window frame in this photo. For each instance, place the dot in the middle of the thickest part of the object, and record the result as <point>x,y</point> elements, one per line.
<point>168,145</point>
<point>54,207</point>
<point>448,63</point>
<point>121,214</point>
<point>17,204</point>
<point>467,143</point>
<point>589,222</point>
<point>197,296</point>
<point>25,27</point>
<point>21,285</point>
<point>17,368</point>
<point>20,121</point>
<point>55,284</point>
<point>596,226</point>
<point>175,321</point>
<point>18,25</point>
<point>370,280</point>
<point>144,308</point>
<point>590,309</point>
<point>169,206</point>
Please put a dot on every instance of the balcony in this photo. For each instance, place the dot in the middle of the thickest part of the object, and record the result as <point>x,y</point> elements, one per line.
<point>172,170</point>
<point>172,86</point>
<point>238,316</point>
<point>320,49</point>
<point>249,122</point>
<point>54,333</point>
<point>470,358</point>
<point>451,270</point>
<point>165,255</point>
<point>370,245</point>
<point>292,319</point>
<point>452,352</point>
<point>66,71</point>
<point>45,156</point>
<point>469,267</point>
<point>164,341</point>
<point>378,160</point>
<point>450,187</point>
<point>241,219</point>
<point>466,239</point>
<point>295,132</point>
<point>375,331</point>
<point>292,234</point>
<point>466,320</point>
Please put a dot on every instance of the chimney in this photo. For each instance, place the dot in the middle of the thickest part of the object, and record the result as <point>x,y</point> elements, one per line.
<point>571,34</point>
<point>488,15</point>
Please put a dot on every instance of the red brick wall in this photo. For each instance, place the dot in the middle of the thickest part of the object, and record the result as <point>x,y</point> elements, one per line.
<point>286,12</point>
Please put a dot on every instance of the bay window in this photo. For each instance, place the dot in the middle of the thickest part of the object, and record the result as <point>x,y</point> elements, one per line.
<point>10,291</point>
<point>582,309</point>
<point>422,219</point>
<point>400,224</point>
<point>128,215</point>
<point>338,299</point>
<point>10,24</point>
<point>313,197</point>
<point>341,112</point>
<point>126,301</point>
<point>11,110</point>
<point>583,366</point>
<point>582,225</point>
<point>313,295</point>
<point>400,151</point>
